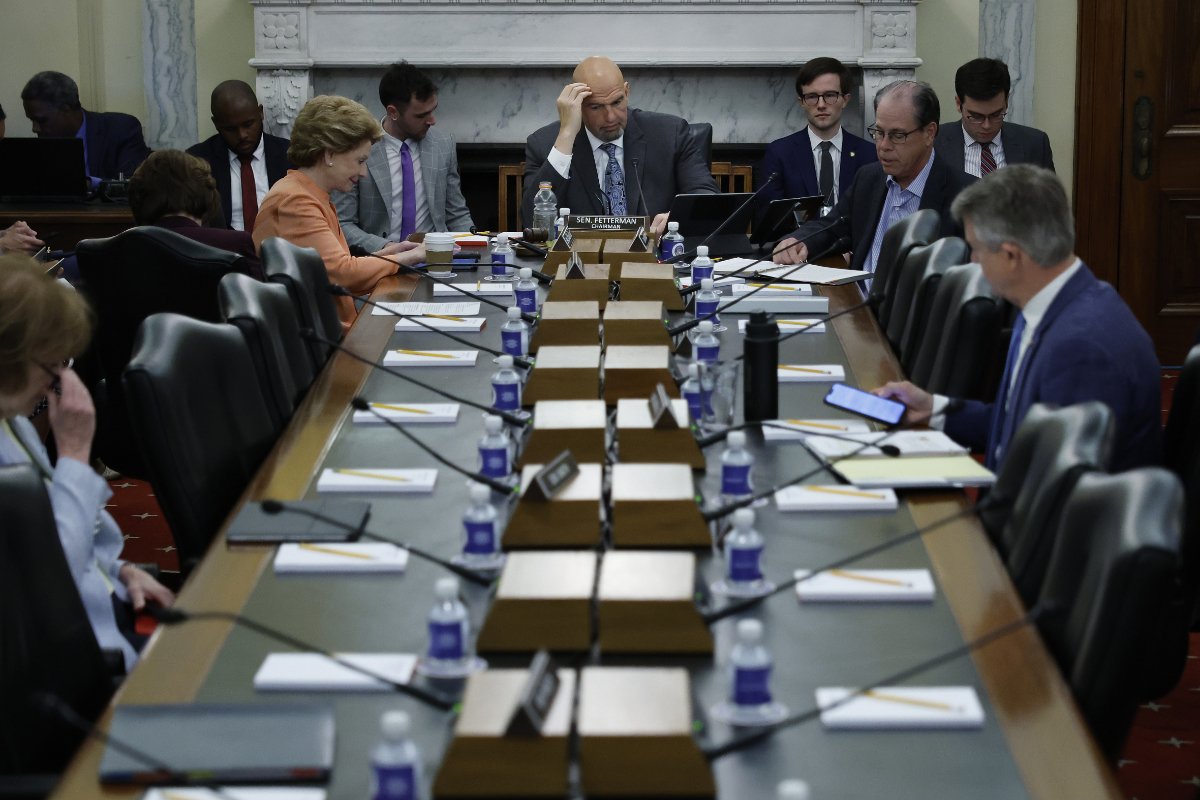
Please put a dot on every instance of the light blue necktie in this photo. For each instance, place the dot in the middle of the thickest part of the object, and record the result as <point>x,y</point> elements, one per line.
<point>614,181</point>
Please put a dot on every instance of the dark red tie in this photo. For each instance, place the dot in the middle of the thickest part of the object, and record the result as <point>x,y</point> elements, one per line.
<point>987,162</point>
<point>249,194</point>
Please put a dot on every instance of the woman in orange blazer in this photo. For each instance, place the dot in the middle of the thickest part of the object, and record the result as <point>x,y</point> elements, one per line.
<point>330,143</point>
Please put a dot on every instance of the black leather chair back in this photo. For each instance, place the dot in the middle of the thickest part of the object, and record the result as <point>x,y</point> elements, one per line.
<point>126,278</point>
<point>701,133</point>
<point>302,271</point>
<point>1049,452</point>
<point>914,230</point>
<point>46,640</point>
<point>961,335</point>
<point>201,420</point>
<point>922,262</point>
<point>263,312</point>
<point>1110,576</point>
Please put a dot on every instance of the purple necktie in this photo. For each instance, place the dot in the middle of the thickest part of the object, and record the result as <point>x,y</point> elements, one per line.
<point>408,214</point>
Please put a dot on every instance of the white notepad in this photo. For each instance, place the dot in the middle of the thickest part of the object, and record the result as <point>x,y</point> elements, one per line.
<point>469,308</point>
<point>811,373</point>
<point>305,558</point>
<point>909,443</point>
<point>866,586</point>
<point>430,358</point>
<point>478,287</point>
<point>236,793</point>
<point>835,498</point>
<point>729,280</point>
<point>313,672</point>
<point>376,479</point>
<point>902,707</point>
<point>797,429</point>
<point>409,413</point>
<point>469,324</point>
<point>790,325</point>
<point>811,273</point>
<point>781,303</point>
<point>790,289</point>
<point>915,472</point>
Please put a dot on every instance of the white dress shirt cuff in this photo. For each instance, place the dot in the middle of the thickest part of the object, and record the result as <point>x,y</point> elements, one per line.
<point>938,420</point>
<point>560,161</point>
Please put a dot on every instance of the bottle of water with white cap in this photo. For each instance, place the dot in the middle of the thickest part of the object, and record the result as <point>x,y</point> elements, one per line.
<point>514,335</point>
<point>495,448</point>
<point>702,265</point>
<point>526,291</point>
<point>395,761</point>
<point>450,653</point>
<point>743,557</point>
<point>545,208</point>
<point>502,258</point>
<point>506,386</point>
<point>671,244</point>
<point>706,302</point>
<point>561,225</point>
<point>736,463</point>
<point>481,534</point>
<point>691,393</point>
<point>792,789</point>
<point>707,346</point>
<point>750,676</point>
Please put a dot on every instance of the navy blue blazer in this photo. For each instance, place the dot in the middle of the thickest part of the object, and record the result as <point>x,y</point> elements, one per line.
<point>1089,346</point>
<point>862,203</point>
<point>115,144</point>
<point>792,158</point>
<point>216,153</point>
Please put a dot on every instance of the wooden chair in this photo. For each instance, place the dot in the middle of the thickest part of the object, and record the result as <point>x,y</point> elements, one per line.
<point>511,187</point>
<point>733,177</point>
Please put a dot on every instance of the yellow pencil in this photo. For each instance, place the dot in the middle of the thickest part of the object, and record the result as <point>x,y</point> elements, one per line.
<point>824,425</point>
<point>316,548</point>
<point>807,323</point>
<point>846,492</point>
<point>424,353</point>
<point>841,573</point>
<point>444,316</point>
<point>912,701</point>
<point>405,409</point>
<point>778,286</point>
<point>376,475</point>
<point>804,369</point>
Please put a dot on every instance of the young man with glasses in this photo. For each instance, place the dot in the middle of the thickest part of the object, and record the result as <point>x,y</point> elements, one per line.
<point>907,178</point>
<point>823,157</point>
<point>982,142</point>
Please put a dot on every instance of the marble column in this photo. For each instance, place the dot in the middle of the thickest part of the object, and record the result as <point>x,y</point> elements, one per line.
<point>1006,32</point>
<point>169,58</point>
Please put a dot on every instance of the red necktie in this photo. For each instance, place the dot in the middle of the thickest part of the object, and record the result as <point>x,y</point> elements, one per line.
<point>249,194</point>
<point>987,162</point>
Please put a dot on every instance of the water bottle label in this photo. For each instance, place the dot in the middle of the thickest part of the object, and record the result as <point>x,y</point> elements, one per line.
<point>500,263</point>
<point>700,272</point>
<point>506,396</point>
<point>395,783</point>
<point>515,343</point>
<point>751,685</point>
<point>669,248</point>
<point>745,564</point>
<point>494,461</point>
<point>527,300</point>
<point>706,307</point>
<point>695,406</point>
<point>481,538</point>
<point>709,353</point>
<point>446,640</point>
<point>735,479</point>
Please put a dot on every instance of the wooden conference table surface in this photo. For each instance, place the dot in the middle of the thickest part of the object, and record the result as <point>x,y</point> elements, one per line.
<point>1033,742</point>
<point>64,225</point>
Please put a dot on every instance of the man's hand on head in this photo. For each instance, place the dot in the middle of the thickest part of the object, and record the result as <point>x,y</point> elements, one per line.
<point>570,115</point>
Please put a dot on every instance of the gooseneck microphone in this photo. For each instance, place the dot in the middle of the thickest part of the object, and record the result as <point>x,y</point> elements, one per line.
<point>176,616</point>
<point>637,177</point>
<point>511,419</point>
<point>725,222</point>
<point>405,268</point>
<point>270,506</point>
<point>360,404</point>
<point>341,291</point>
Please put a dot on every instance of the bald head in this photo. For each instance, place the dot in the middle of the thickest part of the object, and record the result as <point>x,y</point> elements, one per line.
<point>605,110</point>
<point>600,73</point>
<point>237,116</point>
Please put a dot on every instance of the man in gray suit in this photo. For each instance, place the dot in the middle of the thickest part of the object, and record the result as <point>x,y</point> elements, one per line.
<point>982,141</point>
<point>391,202</point>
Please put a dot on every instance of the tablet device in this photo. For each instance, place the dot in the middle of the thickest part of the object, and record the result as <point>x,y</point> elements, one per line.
<point>297,521</point>
<point>781,217</point>
<point>42,170</point>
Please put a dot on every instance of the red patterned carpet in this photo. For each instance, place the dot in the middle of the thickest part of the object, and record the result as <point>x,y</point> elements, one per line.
<point>147,537</point>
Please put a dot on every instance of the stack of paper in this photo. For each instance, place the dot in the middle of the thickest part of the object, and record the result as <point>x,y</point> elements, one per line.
<point>790,325</point>
<point>308,558</point>
<point>236,793</point>
<point>761,289</point>
<point>376,479</point>
<point>430,358</point>
<point>779,303</point>
<point>918,472</point>
<point>470,240</point>
<point>811,373</point>
<point>686,280</point>
<point>866,586</point>
<point>469,308</point>
<point>909,443</point>
<point>478,287</point>
<point>797,429</point>
<point>835,498</point>
<point>811,273</point>
<point>408,413</point>
<point>902,707</point>
<point>314,672</point>
<point>443,323</point>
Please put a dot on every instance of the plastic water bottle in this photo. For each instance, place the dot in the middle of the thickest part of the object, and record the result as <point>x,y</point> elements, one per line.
<point>671,244</point>
<point>792,790</point>
<point>545,208</point>
<point>561,225</point>
<point>506,385</point>
<point>502,258</point>
<point>526,291</point>
<point>702,265</point>
<point>743,557</point>
<point>707,346</point>
<point>736,463</point>
<point>707,300</point>
<point>450,652</point>
<point>750,676</point>
<point>395,762</point>
<point>514,336</point>
<point>495,448</point>
<point>691,393</point>
<point>481,535</point>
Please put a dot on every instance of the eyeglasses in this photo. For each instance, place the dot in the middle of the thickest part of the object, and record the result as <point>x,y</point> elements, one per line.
<point>979,119</point>
<point>56,370</point>
<point>896,137</point>
<point>812,98</point>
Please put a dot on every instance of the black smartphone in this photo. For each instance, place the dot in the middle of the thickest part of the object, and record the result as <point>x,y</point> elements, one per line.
<point>865,404</point>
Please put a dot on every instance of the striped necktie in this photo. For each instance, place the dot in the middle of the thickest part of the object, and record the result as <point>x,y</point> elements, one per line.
<point>987,162</point>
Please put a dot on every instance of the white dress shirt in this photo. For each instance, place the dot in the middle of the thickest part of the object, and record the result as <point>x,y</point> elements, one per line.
<point>562,161</point>
<point>971,151</point>
<point>258,164</point>
<point>424,221</point>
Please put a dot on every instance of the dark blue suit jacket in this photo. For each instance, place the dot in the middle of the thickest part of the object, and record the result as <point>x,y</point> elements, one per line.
<point>1089,346</point>
<point>792,158</point>
<point>216,153</point>
<point>114,144</point>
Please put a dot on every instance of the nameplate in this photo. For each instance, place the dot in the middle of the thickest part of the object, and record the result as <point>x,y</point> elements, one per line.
<point>575,267</point>
<point>536,699</point>
<point>592,223</point>
<point>550,479</point>
<point>641,241</point>
<point>662,418</point>
<point>564,242</point>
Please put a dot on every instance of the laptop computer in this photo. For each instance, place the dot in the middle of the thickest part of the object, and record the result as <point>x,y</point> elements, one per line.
<point>42,170</point>
<point>699,215</point>
<point>781,217</point>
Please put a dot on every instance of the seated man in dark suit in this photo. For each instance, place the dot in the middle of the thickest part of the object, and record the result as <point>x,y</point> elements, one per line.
<point>245,161</point>
<point>112,142</point>
<point>823,157</point>
<point>176,190</point>
<point>601,155</point>
<point>982,141</point>
<point>908,178</point>
<point>1075,339</point>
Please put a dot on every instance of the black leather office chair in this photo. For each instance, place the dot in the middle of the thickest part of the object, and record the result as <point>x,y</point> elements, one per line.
<point>914,230</point>
<point>701,133</point>
<point>126,278</point>
<point>961,333</point>
<point>302,271</point>
<point>1115,557</point>
<point>1049,452</point>
<point>263,312</point>
<point>47,646</point>
<point>201,420</point>
<point>917,271</point>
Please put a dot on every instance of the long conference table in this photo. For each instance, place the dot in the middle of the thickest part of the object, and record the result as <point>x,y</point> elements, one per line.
<point>1033,742</point>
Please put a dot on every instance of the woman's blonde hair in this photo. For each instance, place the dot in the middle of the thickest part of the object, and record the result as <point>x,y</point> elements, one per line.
<point>41,320</point>
<point>329,122</point>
